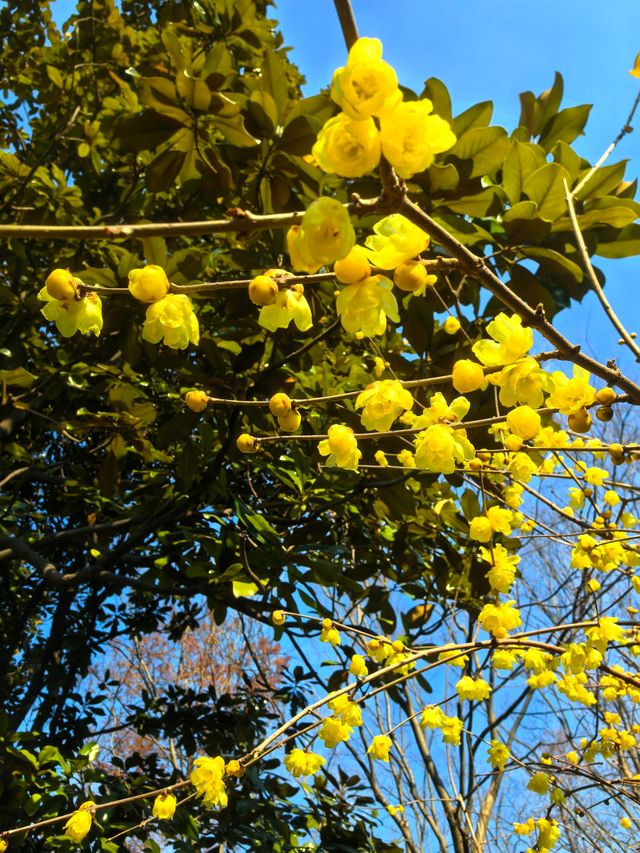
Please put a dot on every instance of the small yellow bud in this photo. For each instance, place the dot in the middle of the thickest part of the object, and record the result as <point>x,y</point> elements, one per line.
<point>263,290</point>
<point>196,400</point>
<point>451,325</point>
<point>354,267</point>
<point>290,422</point>
<point>278,617</point>
<point>164,806</point>
<point>605,396</point>
<point>149,284</point>
<point>467,375</point>
<point>61,285</point>
<point>580,421</point>
<point>412,275</point>
<point>280,405</point>
<point>604,413</point>
<point>234,768</point>
<point>247,443</point>
<point>625,822</point>
<point>513,442</point>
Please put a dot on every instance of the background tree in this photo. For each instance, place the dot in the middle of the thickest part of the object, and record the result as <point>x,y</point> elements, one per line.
<point>128,516</point>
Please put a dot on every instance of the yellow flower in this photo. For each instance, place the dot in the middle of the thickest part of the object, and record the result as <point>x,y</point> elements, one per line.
<point>524,381</point>
<point>467,376</point>
<point>548,830</point>
<point>348,148</point>
<point>454,657</point>
<point>149,284</point>
<point>379,748</point>
<point>235,768</point>
<point>510,341</point>
<point>440,447</point>
<point>366,86</point>
<point>451,326</point>
<point>346,711</point>
<point>451,728</point>
<point>498,755</point>
<point>406,459</point>
<point>570,396</point>
<point>635,71</point>
<point>329,634</point>
<point>365,305</point>
<point>525,828</point>
<point>341,447</point>
<point>290,304</point>
<point>172,321</point>
<point>164,806</point>
<point>411,136</point>
<point>324,236</point>
<point>206,777</point>
<point>79,824</point>
<point>503,659</point>
<point>358,667</point>
<point>524,422</point>
<point>539,783</point>
<point>473,689</point>
<point>333,731</point>
<point>503,569</point>
<point>383,402</point>
<point>301,763</point>
<point>499,619</point>
<point>395,240</point>
<point>625,822</point>
<point>73,315</point>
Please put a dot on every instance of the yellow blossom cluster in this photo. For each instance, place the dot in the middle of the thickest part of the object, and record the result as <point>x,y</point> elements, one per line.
<point>366,88</point>
<point>301,763</point>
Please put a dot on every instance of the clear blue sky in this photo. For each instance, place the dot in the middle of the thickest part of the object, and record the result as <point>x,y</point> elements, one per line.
<point>493,50</point>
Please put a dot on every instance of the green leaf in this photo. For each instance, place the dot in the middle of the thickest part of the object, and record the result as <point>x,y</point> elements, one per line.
<point>244,589</point>
<point>438,94</point>
<point>567,157</point>
<point>263,110</point>
<point>550,100</point>
<point>417,323</point>
<point>479,115</point>
<point>234,131</point>
<point>555,261</point>
<point>160,93</point>
<point>274,82</point>
<point>603,181</point>
<point>625,245</point>
<point>527,287</point>
<point>145,131</point>
<point>442,178</point>
<point>523,225</point>
<point>523,158</point>
<point>486,146</point>
<point>163,171</point>
<point>299,135</point>
<point>194,91</point>
<point>18,377</point>
<point>567,125</point>
<point>155,250</point>
<point>478,204</point>
<point>545,187</point>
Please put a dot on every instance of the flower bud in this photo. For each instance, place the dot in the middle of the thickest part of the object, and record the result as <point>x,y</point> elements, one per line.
<point>411,275</point>
<point>196,400</point>
<point>278,618</point>
<point>263,290</point>
<point>467,375</point>
<point>247,443</point>
<point>580,421</point>
<point>149,284</point>
<point>451,325</point>
<point>280,405</point>
<point>234,768</point>
<point>290,422</point>
<point>61,285</point>
<point>604,413</point>
<point>605,396</point>
<point>353,267</point>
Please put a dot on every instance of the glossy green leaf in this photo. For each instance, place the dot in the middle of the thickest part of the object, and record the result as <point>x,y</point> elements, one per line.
<point>479,115</point>
<point>626,244</point>
<point>438,94</point>
<point>194,91</point>
<point>299,135</point>
<point>485,146</point>
<point>545,186</point>
<point>523,158</point>
<point>567,125</point>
